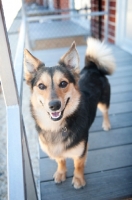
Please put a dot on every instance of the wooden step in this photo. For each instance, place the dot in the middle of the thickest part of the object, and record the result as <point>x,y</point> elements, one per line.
<point>56,34</point>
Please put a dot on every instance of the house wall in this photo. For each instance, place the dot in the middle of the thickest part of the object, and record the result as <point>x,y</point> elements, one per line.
<point>58,4</point>
<point>61,4</point>
<point>111,20</point>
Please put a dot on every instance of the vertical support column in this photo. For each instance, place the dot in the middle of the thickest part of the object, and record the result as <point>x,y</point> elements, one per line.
<point>15,174</point>
<point>24,18</point>
<point>106,21</point>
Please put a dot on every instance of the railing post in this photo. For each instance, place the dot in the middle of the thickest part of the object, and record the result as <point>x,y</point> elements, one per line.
<point>106,21</point>
<point>15,174</point>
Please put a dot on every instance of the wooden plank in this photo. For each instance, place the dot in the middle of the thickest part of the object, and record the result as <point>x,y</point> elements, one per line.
<point>118,108</point>
<point>123,60</point>
<point>125,68</point>
<point>121,74</point>
<point>121,97</point>
<point>121,81</point>
<point>121,88</point>
<point>101,186</point>
<point>102,139</point>
<point>123,63</point>
<point>115,137</point>
<point>98,160</point>
<point>117,121</point>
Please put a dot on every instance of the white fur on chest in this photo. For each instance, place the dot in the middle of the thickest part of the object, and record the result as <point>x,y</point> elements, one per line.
<point>58,150</point>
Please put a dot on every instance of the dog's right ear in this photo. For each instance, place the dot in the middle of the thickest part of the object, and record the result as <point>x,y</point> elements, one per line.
<point>71,59</point>
<point>31,65</point>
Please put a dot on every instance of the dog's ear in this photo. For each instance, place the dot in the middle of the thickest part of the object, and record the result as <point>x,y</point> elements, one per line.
<point>71,59</point>
<point>31,65</point>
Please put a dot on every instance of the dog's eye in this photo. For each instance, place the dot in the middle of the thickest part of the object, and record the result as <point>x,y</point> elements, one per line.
<point>41,86</point>
<point>63,84</point>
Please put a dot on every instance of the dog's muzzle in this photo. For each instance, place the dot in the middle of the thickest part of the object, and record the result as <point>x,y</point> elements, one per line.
<point>54,106</point>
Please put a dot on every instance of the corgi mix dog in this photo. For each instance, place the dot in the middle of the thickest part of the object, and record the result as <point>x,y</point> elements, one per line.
<point>64,103</point>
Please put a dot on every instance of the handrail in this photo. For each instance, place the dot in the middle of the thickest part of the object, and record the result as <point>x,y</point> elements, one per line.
<point>21,184</point>
<point>65,16</point>
<point>18,63</point>
<point>15,172</point>
<point>44,12</point>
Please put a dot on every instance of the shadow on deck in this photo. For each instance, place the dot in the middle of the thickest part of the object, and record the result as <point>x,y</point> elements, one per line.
<point>108,170</point>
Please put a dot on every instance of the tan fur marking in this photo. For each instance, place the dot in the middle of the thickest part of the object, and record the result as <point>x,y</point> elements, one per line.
<point>64,93</point>
<point>106,122</point>
<point>31,64</point>
<point>58,77</point>
<point>60,174</point>
<point>41,98</point>
<point>45,78</point>
<point>78,180</point>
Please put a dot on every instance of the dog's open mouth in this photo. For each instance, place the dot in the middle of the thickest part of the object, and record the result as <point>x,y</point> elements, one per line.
<point>55,116</point>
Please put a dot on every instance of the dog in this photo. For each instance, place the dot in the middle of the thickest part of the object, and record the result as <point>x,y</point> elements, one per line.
<point>64,101</point>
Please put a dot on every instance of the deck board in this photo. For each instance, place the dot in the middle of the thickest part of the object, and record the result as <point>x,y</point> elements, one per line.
<point>108,170</point>
<point>117,121</point>
<point>102,139</point>
<point>102,185</point>
<point>114,158</point>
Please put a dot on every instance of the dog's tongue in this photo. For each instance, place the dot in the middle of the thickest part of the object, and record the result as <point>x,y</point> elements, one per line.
<point>55,114</point>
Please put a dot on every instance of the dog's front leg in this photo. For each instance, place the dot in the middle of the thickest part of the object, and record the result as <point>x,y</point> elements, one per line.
<point>78,180</point>
<point>60,174</point>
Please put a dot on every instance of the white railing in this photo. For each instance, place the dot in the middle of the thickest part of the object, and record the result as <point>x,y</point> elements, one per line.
<point>21,185</point>
<point>76,15</point>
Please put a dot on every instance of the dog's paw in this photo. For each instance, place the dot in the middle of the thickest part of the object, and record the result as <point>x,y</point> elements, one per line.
<point>59,177</point>
<point>106,126</point>
<point>78,182</point>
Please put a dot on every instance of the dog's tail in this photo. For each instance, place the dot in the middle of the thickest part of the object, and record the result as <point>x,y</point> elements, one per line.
<point>101,55</point>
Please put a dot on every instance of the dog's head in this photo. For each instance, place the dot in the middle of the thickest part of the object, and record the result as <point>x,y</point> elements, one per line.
<point>54,89</point>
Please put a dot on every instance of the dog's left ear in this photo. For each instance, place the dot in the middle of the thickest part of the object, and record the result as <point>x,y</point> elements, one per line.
<point>71,59</point>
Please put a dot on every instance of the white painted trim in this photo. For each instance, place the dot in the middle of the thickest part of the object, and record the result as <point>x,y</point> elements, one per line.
<point>65,16</point>
<point>14,155</point>
<point>120,40</point>
<point>18,66</point>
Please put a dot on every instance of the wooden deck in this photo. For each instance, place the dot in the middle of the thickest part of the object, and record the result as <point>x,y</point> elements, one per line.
<point>108,170</point>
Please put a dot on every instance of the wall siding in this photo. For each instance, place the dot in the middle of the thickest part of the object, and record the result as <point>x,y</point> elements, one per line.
<point>111,20</point>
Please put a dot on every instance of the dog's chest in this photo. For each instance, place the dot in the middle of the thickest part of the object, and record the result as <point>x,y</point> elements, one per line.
<point>56,147</point>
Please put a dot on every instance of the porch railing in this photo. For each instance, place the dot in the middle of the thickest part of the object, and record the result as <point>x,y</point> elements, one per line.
<point>21,184</point>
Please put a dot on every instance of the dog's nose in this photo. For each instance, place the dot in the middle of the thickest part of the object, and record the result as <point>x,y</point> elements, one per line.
<point>54,105</point>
